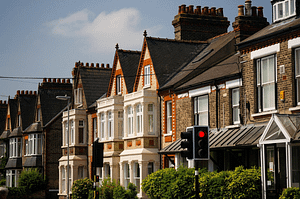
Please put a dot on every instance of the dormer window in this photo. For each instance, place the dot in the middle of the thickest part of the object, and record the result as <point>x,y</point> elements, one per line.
<point>283,10</point>
<point>78,96</point>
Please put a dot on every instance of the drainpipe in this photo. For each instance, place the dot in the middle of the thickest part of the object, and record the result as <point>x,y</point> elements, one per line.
<point>217,105</point>
<point>159,147</point>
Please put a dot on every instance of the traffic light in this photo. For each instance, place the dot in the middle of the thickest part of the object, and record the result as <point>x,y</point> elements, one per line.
<point>187,144</point>
<point>201,142</point>
<point>97,178</point>
<point>97,154</point>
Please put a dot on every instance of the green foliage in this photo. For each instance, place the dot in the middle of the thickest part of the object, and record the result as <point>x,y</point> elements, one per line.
<point>112,190</point>
<point>16,192</point>
<point>170,183</point>
<point>245,183</point>
<point>3,162</point>
<point>81,187</point>
<point>32,180</point>
<point>290,193</point>
<point>3,182</point>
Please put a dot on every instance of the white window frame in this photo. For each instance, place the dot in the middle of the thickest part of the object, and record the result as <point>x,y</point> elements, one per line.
<point>35,144</point>
<point>81,129</point>
<point>199,112</point>
<point>150,120</point>
<point>285,8</point>
<point>10,174</point>
<point>15,147</point>
<point>139,118</point>
<point>109,124</point>
<point>95,128</point>
<point>120,124</point>
<point>262,85</point>
<point>19,120</point>
<point>63,179</point>
<point>150,167</point>
<point>297,74</point>
<point>78,96</point>
<point>235,106</point>
<point>80,172</point>
<point>126,175</point>
<point>72,133</point>
<point>102,125</point>
<point>39,114</point>
<point>169,116</point>
<point>119,85</point>
<point>130,120</point>
<point>137,175</point>
<point>147,76</point>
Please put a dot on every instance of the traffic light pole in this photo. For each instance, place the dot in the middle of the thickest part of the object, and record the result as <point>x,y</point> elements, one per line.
<point>196,179</point>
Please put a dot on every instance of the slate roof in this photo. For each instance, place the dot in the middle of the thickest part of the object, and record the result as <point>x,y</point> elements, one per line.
<point>27,107</point>
<point>94,82</point>
<point>3,114</point>
<point>12,103</point>
<point>218,49</point>
<point>226,69</point>
<point>272,30</point>
<point>169,55</point>
<point>129,61</point>
<point>50,106</point>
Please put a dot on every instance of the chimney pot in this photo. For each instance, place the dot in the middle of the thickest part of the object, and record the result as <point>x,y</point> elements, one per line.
<point>68,81</point>
<point>81,63</point>
<point>183,8</point>
<point>179,9</point>
<point>254,10</point>
<point>4,101</point>
<point>18,92</point>
<point>260,11</point>
<point>198,10</point>
<point>87,64</point>
<point>34,92</point>
<point>63,81</point>
<point>97,65</point>
<point>44,80</point>
<point>92,65</point>
<point>76,64</point>
<point>22,92</point>
<point>248,8</point>
<point>26,92</point>
<point>191,9</point>
<point>58,80</point>
<point>241,10</point>
<point>30,92</point>
<point>213,11</point>
<point>107,65</point>
<point>102,65</point>
<point>54,80</point>
<point>205,11</point>
<point>0,101</point>
<point>49,80</point>
<point>220,12</point>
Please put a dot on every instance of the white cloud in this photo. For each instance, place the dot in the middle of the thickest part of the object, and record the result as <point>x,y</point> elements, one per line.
<point>105,30</point>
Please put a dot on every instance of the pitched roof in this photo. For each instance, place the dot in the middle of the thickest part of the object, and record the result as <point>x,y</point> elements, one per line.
<point>50,106</point>
<point>27,108</point>
<point>94,82</point>
<point>219,49</point>
<point>225,69</point>
<point>169,55</point>
<point>129,61</point>
<point>13,109</point>
<point>272,30</point>
<point>3,113</point>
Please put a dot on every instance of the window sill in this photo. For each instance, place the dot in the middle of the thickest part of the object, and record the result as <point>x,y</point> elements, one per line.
<point>147,86</point>
<point>234,126</point>
<point>293,109</point>
<point>168,134</point>
<point>264,113</point>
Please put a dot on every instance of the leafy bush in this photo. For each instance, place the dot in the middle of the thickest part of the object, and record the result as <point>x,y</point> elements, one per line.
<point>290,193</point>
<point>32,180</point>
<point>3,182</point>
<point>16,192</point>
<point>245,183</point>
<point>81,187</point>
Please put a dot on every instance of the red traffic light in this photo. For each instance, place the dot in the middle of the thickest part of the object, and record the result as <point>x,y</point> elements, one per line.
<point>202,134</point>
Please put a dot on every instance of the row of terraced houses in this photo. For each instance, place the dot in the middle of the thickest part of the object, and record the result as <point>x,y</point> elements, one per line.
<point>243,84</point>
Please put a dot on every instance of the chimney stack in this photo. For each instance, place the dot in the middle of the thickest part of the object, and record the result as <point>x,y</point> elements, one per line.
<point>249,23</point>
<point>199,25</point>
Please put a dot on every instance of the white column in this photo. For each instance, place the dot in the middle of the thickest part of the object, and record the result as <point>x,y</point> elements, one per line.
<point>130,164</point>
<point>121,173</point>
<point>143,175</point>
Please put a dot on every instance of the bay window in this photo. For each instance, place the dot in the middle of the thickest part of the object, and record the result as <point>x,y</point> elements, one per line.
<point>63,179</point>
<point>126,175</point>
<point>120,124</point>
<point>109,124</point>
<point>201,110</point>
<point>266,83</point>
<point>72,132</point>
<point>80,172</point>
<point>137,176</point>
<point>130,120</point>
<point>34,144</point>
<point>102,125</point>
<point>150,119</point>
<point>81,132</point>
<point>12,177</point>
<point>283,9</point>
<point>95,128</point>
<point>139,118</point>
<point>15,149</point>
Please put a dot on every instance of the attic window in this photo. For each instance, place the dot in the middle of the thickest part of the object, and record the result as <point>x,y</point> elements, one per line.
<point>283,10</point>
<point>147,75</point>
<point>78,96</point>
<point>119,85</point>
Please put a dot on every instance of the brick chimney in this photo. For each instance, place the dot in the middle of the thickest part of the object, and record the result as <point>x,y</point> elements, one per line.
<point>250,19</point>
<point>199,25</point>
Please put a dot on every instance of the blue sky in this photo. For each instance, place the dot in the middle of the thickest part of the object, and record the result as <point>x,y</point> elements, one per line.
<point>45,38</point>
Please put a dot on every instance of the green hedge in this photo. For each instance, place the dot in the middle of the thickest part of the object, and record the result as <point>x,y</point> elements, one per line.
<point>290,193</point>
<point>171,183</point>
